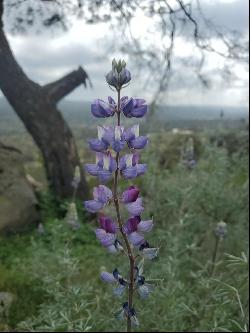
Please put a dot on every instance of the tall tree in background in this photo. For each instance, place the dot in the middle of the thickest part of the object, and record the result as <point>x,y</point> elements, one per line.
<point>36,106</point>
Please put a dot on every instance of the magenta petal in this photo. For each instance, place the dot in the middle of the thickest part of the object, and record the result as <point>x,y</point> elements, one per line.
<point>108,224</point>
<point>131,224</point>
<point>105,238</point>
<point>108,277</point>
<point>145,226</point>
<point>130,195</point>
<point>136,239</point>
<point>93,206</point>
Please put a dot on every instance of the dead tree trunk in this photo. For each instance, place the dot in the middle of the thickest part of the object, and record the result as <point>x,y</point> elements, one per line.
<point>36,107</point>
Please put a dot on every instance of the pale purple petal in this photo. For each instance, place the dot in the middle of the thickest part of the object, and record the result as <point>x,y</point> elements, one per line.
<point>138,102</point>
<point>138,143</point>
<point>93,206</point>
<point>135,159</point>
<point>127,107</point>
<point>102,193</point>
<point>129,134</point>
<point>122,163</point>
<point>104,175</point>
<point>112,249</point>
<point>98,145</point>
<point>104,108</point>
<point>118,145</point>
<point>139,112</point>
<point>150,253</point>
<point>111,101</point>
<point>118,291</point>
<point>108,277</point>
<point>96,111</point>
<point>130,173</point>
<point>108,135</point>
<point>105,238</point>
<point>141,169</point>
<point>92,169</point>
<point>145,290</point>
<point>145,226</point>
<point>136,239</point>
<point>135,208</point>
<point>100,109</point>
<point>112,165</point>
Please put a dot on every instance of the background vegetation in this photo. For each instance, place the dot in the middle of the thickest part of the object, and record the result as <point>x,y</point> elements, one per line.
<point>54,275</point>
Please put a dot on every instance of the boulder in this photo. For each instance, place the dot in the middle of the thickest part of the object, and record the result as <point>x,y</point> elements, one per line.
<point>17,199</point>
<point>6,299</point>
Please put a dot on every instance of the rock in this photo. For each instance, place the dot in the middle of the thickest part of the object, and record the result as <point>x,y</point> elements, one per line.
<point>17,199</point>
<point>6,300</point>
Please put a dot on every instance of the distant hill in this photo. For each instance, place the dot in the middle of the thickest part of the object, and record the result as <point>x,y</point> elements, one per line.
<point>78,115</point>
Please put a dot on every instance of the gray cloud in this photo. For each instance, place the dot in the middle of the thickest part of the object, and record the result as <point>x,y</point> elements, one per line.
<point>231,15</point>
<point>45,59</point>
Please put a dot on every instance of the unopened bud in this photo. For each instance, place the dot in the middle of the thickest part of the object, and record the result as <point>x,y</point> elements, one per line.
<point>221,229</point>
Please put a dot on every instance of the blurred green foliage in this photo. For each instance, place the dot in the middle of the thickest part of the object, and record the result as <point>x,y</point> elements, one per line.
<point>54,276</point>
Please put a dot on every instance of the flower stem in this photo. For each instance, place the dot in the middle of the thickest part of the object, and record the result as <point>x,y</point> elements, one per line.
<point>119,219</point>
<point>214,255</point>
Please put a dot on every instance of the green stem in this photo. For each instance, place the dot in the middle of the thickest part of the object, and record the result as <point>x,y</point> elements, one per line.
<point>215,255</point>
<point>119,219</point>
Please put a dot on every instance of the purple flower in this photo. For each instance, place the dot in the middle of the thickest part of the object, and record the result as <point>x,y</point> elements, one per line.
<point>126,312</point>
<point>102,195</point>
<point>148,253</point>
<point>101,109</point>
<point>115,278</point>
<point>115,137</point>
<point>104,167</point>
<point>133,107</point>
<point>101,144</point>
<point>135,208</point>
<point>129,166</point>
<point>119,75</point>
<point>130,195</point>
<point>221,229</point>
<point>133,139</point>
<point>106,234</point>
<point>135,228</point>
<point>144,289</point>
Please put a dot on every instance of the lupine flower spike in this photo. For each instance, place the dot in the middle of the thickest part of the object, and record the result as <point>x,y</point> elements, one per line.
<point>128,235</point>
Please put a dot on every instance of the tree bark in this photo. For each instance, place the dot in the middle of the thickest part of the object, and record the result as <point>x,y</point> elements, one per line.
<point>36,107</point>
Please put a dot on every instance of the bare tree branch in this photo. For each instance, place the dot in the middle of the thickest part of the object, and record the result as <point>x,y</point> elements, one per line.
<point>62,87</point>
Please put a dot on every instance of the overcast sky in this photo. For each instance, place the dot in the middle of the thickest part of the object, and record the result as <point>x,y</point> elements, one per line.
<point>47,57</point>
